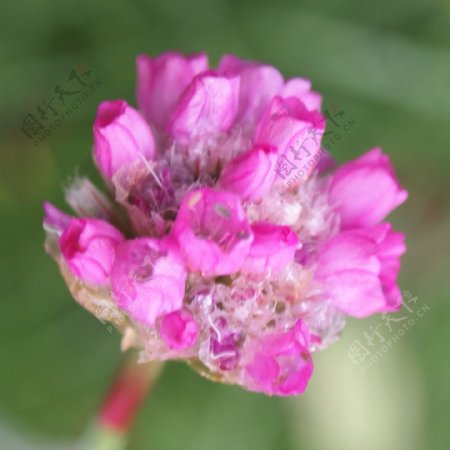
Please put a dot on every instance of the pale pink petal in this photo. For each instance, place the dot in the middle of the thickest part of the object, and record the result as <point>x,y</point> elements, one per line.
<point>55,218</point>
<point>301,89</point>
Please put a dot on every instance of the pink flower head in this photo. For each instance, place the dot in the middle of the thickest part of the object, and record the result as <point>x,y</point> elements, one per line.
<point>301,89</point>
<point>88,248</point>
<point>178,330</point>
<point>366,190</point>
<point>358,269</point>
<point>292,129</point>
<point>212,231</point>
<point>121,136</point>
<point>273,247</point>
<point>148,279</point>
<point>207,107</point>
<point>251,174</point>
<point>282,364</point>
<point>228,267</point>
<point>259,84</point>
<point>161,81</point>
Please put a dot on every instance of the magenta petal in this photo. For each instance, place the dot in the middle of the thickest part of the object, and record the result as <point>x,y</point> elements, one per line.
<point>178,330</point>
<point>251,174</point>
<point>296,132</point>
<point>301,89</point>
<point>366,190</point>
<point>358,269</point>
<point>148,279</point>
<point>282,364</point>
<point>212,231</point>
<point>356,292</point>
<point>391,245</point>
<point>273,247</point>
<point>121,136</point>
<point>259,84</point>
<point>161,81</point>
<point>88,248</point>
<point>262,371</point>
<point>207,107</point>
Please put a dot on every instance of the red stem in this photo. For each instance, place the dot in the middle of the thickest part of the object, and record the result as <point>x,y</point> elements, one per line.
<point>127,394</point>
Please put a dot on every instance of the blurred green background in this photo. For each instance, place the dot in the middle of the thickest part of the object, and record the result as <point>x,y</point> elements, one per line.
<point>385,63</point>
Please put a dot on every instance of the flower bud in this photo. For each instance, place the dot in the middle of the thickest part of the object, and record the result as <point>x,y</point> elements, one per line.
<point>161,81</point>
<point>273,247</point>
<point>364,191</point>
<point>148,279</point>
<point>88,248</point>
<point>295,132</point>
<point>178,330</point>
<point>251,174</point>
<point>282,364</point>
<point>259,84</point>
<point>207,107</point>
<point>358,269</point>
<point>121,136</point>
<point>212,231</point>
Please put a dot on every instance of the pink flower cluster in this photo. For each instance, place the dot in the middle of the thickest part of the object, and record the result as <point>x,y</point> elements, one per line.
<point>206,254</point>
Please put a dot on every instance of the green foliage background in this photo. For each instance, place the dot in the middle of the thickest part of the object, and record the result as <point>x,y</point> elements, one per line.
<point>385,63</point>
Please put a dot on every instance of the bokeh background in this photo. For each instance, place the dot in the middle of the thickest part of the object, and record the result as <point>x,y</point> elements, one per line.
<point>385,63</point>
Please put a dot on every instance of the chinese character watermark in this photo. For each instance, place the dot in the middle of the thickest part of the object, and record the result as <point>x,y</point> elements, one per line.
<point>379,339</point>
<point>101,312</point>
<point>302,156</point>
<point>338,125</point>
<point>39,124</point>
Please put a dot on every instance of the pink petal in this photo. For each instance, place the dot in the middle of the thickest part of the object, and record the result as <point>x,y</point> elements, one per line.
<point>293,130</point>
<point>259,84</point>
<point>178,330</point>
<point>55,218</point>
<point>273,247</point>
<point>207,107</point>
<point>212,232</point>
<point>282,364</point>
<point>88,247</point>
<point>148,279</point>
<point>251,174</point>
<point>366,190</point>
<point>301,89</point>
<point>121,136</point>
<point>162,80</point>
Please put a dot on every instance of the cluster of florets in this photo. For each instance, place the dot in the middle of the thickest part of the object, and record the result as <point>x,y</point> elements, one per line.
<point>228,241</point>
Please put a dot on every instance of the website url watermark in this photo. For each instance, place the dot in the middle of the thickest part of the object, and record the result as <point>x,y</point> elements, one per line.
<point>302,157</point>
<point>379,339</point>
